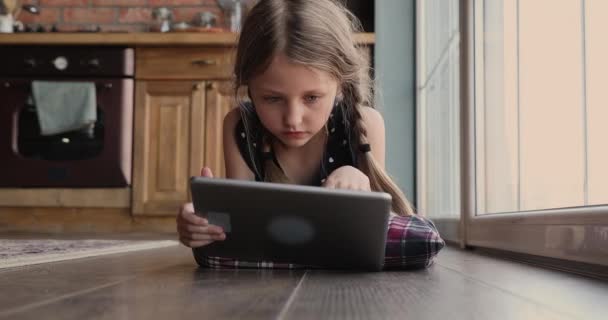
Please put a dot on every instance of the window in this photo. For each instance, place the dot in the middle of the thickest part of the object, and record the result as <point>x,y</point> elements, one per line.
<point>531,100</point>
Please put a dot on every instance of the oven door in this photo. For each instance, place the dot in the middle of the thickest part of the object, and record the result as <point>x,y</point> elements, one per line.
<point>99,156</point>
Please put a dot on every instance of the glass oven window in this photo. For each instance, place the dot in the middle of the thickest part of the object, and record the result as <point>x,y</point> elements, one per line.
<point>80,144</point>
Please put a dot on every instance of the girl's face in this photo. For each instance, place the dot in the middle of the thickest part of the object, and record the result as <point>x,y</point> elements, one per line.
<point>293,101</point>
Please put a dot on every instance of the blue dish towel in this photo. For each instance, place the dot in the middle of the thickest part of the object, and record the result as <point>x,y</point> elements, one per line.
<point>64,106</point>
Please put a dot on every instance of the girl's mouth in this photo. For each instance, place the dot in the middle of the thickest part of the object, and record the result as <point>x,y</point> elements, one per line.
<point>294,134</point>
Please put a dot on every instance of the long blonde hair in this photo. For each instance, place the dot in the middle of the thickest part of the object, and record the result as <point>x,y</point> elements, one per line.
<point>318,34</point>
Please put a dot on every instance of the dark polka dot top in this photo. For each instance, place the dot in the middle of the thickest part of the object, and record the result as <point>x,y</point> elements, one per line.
<point>339,151</point>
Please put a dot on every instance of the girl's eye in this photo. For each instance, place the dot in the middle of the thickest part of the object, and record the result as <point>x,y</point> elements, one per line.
<point>311,99</point>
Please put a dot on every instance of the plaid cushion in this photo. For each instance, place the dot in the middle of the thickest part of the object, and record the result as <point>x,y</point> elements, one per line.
<point>412,242</point>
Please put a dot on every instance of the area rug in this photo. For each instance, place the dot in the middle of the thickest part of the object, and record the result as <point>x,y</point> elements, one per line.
<point>15,253</point>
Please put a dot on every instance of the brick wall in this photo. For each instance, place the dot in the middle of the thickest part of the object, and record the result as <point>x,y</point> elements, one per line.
<point>112,15</point>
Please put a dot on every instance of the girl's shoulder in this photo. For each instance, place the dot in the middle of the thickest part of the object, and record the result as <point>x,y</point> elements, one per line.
<point>372,118</point>
<point>234,116</point>
<point>240,117</point>
<point>242,124</point>
<point>231,119</point>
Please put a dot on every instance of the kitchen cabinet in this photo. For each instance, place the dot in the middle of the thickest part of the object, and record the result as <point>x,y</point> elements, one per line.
<point>219,100</point>
<point>167,138</point>
<point>182,96</point>
<point>178,130</point>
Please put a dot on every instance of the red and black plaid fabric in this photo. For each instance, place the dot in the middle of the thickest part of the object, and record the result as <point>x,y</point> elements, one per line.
<point>412,242</point>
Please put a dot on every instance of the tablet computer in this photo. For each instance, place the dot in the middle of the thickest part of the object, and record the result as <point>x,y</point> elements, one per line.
<point>313,226</point>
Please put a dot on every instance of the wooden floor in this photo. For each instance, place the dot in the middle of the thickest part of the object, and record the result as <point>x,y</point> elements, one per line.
<point>166,284</point>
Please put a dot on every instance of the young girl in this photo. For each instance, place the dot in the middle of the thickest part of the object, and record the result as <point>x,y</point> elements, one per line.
<point>310,120</point>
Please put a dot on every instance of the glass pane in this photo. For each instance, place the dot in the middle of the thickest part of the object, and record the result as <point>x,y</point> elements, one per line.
<point>497,133</point>
<point>539,107</point>
<point>551,106</point>
<point>439,28</point>
<point>438,108</point>
<point>596,48</point>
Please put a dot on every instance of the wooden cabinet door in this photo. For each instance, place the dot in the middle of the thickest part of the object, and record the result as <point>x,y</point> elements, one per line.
<point>169,144</point>
<point>219,101</point>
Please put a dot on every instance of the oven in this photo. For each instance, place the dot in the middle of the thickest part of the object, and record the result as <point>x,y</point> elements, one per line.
<point>98,156</point>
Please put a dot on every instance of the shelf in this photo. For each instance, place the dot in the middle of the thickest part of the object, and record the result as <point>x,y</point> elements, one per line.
<point>137,39</point>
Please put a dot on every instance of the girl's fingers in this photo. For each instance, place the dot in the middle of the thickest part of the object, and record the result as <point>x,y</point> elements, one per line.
<point>194,243</point>
<point>347,185</point>
<point>197,237</point>
<point>329,183</point>
<point>187,207</point>
<point>204,236</point>
<point>187,214</point>
<point>190,217</point>
<point>206,172</point>
<point>210,229</point>
<point>193,232</point>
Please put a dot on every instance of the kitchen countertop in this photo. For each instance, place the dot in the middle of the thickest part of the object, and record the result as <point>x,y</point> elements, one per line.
<point>135,39</point>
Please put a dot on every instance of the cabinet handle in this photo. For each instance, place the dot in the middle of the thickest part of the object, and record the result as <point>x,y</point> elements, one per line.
<point>198,86</point>
<point>204,62</point>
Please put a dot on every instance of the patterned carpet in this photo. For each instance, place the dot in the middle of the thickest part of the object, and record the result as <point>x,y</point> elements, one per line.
<point>15,253</point>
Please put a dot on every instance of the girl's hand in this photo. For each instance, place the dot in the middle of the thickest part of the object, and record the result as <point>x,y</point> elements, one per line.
<point>193,230</point>
<point>347,177</point>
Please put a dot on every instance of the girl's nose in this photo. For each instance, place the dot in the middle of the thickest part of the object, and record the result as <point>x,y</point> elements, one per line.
<point>293,115</point>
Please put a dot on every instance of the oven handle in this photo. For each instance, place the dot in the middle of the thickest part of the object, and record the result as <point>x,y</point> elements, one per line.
<point>107,86</point>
